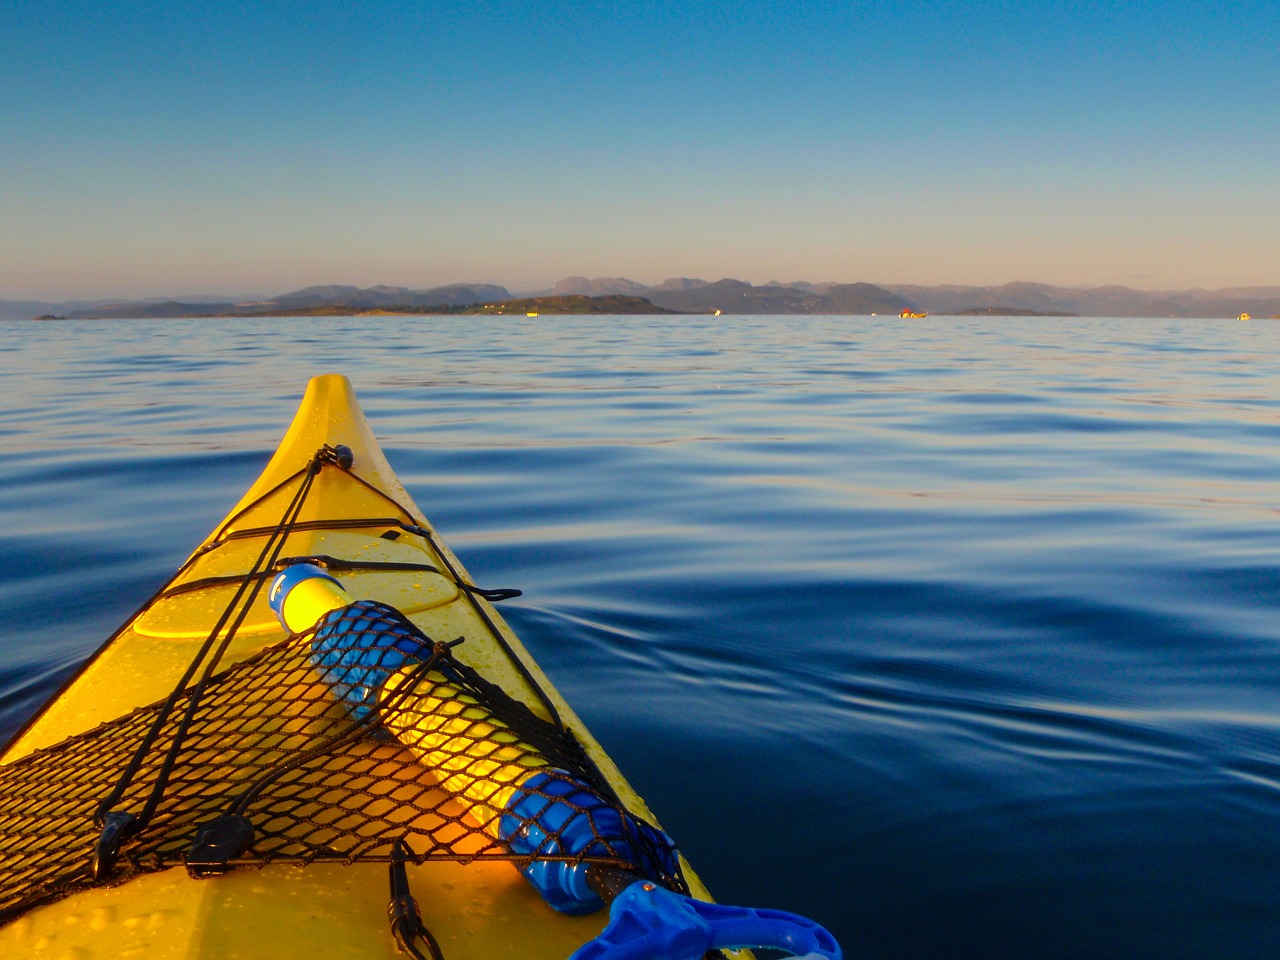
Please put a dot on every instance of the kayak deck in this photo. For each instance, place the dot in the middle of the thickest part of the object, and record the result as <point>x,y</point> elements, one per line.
<point>363,518</point>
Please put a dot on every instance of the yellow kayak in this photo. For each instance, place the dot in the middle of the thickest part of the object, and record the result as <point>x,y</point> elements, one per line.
<point>214,784</point>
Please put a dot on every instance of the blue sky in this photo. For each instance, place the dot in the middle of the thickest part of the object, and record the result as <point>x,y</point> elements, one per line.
<point>164,148</point>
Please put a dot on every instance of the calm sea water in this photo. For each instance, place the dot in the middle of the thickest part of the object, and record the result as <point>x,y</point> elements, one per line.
<point>961,636</point>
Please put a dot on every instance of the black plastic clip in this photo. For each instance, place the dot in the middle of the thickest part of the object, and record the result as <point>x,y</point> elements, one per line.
<point>406,921</point>
<point>217,842</point>
<point>116,828</point>
<point>340,455</point>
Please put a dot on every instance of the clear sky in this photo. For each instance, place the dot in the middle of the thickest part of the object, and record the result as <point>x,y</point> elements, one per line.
<point>234,146</point>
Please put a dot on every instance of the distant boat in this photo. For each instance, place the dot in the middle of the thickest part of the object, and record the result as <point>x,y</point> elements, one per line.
<point>532,313</point>
<point>914,316</point>
<point>1244,316</point>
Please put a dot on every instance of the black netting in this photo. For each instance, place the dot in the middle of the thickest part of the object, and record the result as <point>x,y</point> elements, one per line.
<point>328,759</point>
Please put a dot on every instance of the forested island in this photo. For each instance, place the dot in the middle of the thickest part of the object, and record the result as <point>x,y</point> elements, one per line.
<point>1010,312</point>
<point>530,306</point>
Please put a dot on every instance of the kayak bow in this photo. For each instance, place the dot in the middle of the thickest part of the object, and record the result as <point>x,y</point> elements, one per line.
<point>487,759</point>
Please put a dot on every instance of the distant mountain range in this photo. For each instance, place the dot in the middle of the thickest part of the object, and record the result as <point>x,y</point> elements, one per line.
<point>689,295</point>
<point>1096,301</point>
<point>357,298</point>
<point>1010,299</point>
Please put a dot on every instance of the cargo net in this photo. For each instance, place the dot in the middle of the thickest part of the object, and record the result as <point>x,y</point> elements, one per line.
<point>323,748</point>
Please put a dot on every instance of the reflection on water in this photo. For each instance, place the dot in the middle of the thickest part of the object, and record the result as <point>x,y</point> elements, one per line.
<point>958,635</point>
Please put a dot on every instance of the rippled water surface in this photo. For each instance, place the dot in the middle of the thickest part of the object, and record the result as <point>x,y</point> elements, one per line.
<point>960,635</point>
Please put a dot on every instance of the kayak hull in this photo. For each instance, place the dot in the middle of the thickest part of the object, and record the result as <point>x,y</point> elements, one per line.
<point>483,909</point>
